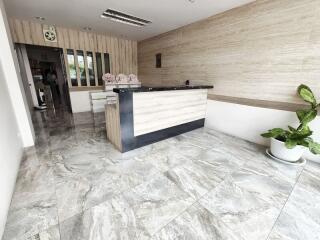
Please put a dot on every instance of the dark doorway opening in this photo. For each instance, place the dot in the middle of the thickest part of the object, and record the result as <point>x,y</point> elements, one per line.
<point>49,72</point>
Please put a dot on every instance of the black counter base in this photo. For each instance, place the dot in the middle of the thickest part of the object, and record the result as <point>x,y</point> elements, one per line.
<point>149,138</point>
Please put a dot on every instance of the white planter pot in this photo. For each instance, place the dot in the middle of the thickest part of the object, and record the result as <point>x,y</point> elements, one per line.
<point>279,150</point>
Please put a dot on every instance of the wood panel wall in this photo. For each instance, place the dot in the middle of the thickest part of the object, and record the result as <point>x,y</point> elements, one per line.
<point>123,52</point>
<point>113,128</point>
<point>260,51</point>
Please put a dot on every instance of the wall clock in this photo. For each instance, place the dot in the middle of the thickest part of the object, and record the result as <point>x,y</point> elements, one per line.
<point>49,34</point>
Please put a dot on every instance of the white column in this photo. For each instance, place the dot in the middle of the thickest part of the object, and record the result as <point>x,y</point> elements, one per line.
<point>9,62</point>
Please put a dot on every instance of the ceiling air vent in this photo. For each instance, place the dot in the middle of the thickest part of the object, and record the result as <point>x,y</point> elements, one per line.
<point>124,18</point>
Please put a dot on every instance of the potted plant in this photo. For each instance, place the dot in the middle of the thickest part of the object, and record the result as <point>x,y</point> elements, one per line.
<point>290,144</point>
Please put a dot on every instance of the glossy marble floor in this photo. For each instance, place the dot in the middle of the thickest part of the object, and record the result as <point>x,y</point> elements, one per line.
<point>199,185</point>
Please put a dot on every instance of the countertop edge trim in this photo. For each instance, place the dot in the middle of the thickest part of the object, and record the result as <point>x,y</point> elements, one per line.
<point>159,89</point>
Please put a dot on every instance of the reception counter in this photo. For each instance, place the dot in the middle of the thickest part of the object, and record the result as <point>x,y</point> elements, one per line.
<point>145,115</point>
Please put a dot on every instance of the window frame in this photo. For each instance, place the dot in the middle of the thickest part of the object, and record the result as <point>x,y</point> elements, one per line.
<point>72,80</point>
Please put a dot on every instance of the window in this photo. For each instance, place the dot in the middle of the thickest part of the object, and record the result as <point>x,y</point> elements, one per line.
<point>82,68</point>
<point>99,68</point>
<point>106,63</point>
<point>72,67</point>
<point>92,79</point>
<point>158,60</point>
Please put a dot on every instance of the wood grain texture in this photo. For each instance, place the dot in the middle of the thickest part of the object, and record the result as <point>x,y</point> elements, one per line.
<point>291,107</point>
<point>112,114</point>
<point>90,88</point>
<point>123,52</point>
<point>153,111</point>
<point>260,51</point>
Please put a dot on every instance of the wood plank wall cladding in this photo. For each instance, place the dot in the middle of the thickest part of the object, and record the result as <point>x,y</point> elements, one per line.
<point>112,114</point>
<point>260,51</point>
<point>123,52</point>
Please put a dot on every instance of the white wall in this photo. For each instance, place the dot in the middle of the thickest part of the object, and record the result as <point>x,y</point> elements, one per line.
<point>249,122</point>
<point>80,101</point>
<point>15,122</point>
<point>13,80</point>
<point>10,150</point>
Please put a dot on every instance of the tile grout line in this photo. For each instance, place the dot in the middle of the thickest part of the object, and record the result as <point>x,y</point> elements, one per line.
<point>225,177</point>
<point>55,192</point>
<point>194,201</point>
<point>55,187</point>
<point>56,198</point>
<point>108,200</point>
<point>197,201</point>
<point>275,222</point>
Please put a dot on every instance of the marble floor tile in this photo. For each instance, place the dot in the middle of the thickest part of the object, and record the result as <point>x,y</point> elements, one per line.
<point>202,138</point>
<point>195,179</point>
<point>117,157</point>
<point>64,138</point>
<point>52,233</point>
<point>196,223</point>
<point>188,150</point>
<point>263,165</point>
<point>86,146</point>
<point>34,204</point>
<point>289,227</point>
<point>204,184</point>
<point>300,216</point>
<point>310,177</point>
<point>96,133</point>
<point>223,162</point>
<point>164,159</point>
<point>113,219</point>
<point>273,190</point>
<point>63,141</point>
<point>243,211</point>
<point>34,157</point>
<point>81,164</point>
<point>86,118</point>
<point>242,149</point>
<point>135,214</point>
<point>156,203</point>
<point>91,188</point>
<point>164,144</point>
<point>179,145</point>
<point>204,172</point>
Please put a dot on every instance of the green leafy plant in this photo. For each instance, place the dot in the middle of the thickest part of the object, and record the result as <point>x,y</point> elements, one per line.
<point>300,135</point>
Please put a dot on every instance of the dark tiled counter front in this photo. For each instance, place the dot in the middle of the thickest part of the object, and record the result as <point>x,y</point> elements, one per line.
<point>168,88</point>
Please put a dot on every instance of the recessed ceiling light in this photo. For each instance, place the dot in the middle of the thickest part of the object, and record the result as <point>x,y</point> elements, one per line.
<point>124,18</point>
<point>87,28</point>
<point>40,18</point>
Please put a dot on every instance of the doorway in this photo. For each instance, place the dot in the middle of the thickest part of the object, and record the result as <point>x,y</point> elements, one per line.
<point>48,68</point>
<point>44,76</point>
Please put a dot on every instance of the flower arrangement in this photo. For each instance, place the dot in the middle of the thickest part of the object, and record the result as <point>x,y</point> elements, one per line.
<point>122,78</point>
<point>133,78</point>
<point>109,78</point>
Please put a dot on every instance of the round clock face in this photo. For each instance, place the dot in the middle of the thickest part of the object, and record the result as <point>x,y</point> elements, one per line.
<point>50,36</point>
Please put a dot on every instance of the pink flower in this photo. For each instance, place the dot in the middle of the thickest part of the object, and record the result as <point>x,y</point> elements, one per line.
<point>122,78</point>
<point>108,78</point>
<point>133,78</point>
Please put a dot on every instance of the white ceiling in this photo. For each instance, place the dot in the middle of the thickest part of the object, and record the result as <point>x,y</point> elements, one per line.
<point>165,15</point>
